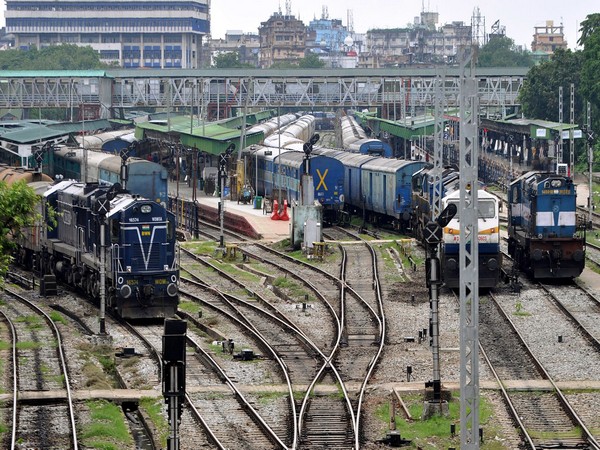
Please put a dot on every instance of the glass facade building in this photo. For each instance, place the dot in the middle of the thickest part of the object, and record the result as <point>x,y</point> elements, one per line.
<point>133,34</point>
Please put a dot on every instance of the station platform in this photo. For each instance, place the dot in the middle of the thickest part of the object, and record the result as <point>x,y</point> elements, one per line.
<point>269,230</point>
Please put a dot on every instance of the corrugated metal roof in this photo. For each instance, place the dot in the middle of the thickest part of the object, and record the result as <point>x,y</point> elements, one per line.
<point>55,73</point>
<point>24,132</point>
<point>211,137</point>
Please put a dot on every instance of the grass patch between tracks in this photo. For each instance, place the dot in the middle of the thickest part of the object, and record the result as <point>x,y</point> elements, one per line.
<point>107,429</point>
<point>153,407</point>
<point>434,433</point>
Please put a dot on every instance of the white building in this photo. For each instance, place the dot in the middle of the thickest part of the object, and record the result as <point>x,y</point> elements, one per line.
<point>132,33</point>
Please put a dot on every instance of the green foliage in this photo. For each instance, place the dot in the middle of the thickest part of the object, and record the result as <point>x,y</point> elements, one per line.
<point>311,61</point>
<point>55,57</point>
<point>590,67</point>
<point>230,60</point>
<point>502,52</point>
<point>539,95</point>
<point>32,322</point>
<point>153,407</point>
<point>284,65</point>
<point>28,345</point>
<point>57,317</point>
<point>107,429</point>
<point>17,212</point>
<point>435,431</point>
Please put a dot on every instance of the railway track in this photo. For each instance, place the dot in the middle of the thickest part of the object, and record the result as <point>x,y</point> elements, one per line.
<point>39,364</point>
<point>545,418</point>
<point>354,352</point>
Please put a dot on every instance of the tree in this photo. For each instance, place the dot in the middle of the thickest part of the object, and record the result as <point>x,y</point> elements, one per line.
<point>230,60</point>
<point>589,27</point>
<point>539,96</point>
<point>311,61</point>
<point>55,57</point>
<point>17,213</point>
<point>590,68</point>
<point>502,52</point>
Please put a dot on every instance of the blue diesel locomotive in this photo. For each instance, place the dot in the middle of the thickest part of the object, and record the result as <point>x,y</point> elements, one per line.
<point>544,237</point>
<point>141,260</point>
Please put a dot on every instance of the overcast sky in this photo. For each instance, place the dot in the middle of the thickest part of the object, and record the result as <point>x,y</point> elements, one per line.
<point>518,16</point>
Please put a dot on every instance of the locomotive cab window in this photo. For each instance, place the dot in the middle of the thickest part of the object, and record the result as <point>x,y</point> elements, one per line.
<point>114,230</point>
<point>556,183</point>
<point>169,230</point>
<point>486,209</point>
<point>515,197</point>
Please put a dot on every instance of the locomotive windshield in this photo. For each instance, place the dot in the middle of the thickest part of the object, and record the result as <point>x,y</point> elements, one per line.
<point>486,209</point>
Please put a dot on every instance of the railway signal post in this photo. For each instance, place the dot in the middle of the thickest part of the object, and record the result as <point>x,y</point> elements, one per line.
<point>433,237</point>
<point>173,375</point>
<point>222,177</point>
<point>102,209</point>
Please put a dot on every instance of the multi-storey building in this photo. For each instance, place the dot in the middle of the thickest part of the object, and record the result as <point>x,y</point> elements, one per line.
<point>332,42</point>
<point>421,43</point>
<point>246,45</point>
<point>548,38</point>
<point>282,39</point>
<point>131,33</point>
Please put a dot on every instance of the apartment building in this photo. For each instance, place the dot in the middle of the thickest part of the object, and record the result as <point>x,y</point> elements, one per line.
<point>282,39</point>
<point>547,38</point>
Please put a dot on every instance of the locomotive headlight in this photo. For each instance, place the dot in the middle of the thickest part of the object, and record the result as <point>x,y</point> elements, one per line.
<point>125,291</point>
<point>146,209</point>
<point>540,236</point>
<point>172,289</point>
<point>492,264</point>
<point>537,255</point>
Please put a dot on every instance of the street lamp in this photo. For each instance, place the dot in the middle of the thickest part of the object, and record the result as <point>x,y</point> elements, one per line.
<point>222,166</point>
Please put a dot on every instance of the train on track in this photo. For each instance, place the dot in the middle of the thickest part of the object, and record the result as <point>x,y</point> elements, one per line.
<point>545,238</point>
<point>140,261</point>
<point>343,180</point>
<point>145,178</point>
<point>488,223</point>
<point>354,139</point>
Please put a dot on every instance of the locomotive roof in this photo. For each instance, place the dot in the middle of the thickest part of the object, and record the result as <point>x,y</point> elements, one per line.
<point>120,203</point>
<point>536,176</point>
<point>481,193</point>
<point>61,185</point>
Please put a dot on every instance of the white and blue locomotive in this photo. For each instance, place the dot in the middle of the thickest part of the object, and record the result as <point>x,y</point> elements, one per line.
<point>141,259</point>
<point>488,223</point>
<point>544,236</point>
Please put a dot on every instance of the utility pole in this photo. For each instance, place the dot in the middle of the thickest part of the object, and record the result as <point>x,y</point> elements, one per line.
<point>589,138</point>
<point>469,259</point>
<point>572,135</point>
<point>559,152</point>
